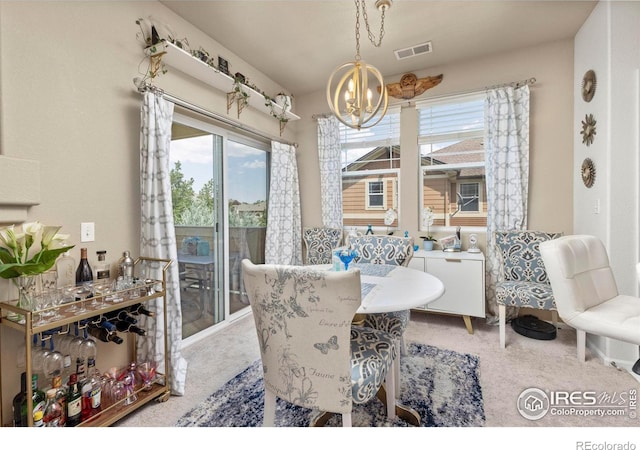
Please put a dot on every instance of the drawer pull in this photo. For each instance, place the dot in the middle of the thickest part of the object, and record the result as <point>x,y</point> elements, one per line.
<point>452,260</point>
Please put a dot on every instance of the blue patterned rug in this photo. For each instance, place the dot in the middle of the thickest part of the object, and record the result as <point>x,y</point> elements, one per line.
<point>441,385</point>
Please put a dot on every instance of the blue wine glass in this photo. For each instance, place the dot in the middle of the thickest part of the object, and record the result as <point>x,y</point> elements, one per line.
<point>346,256</point>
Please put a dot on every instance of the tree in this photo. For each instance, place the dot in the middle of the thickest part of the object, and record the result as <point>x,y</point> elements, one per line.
<point>182,194</point>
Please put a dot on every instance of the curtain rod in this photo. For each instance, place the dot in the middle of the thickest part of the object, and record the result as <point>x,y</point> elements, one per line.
<point>143,87</point>
<point>513,84</point>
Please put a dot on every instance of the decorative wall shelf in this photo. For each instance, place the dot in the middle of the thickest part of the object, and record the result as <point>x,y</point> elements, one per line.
<point>175,57</point>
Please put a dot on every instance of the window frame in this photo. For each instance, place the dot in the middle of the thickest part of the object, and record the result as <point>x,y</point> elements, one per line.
<point>457,135</point>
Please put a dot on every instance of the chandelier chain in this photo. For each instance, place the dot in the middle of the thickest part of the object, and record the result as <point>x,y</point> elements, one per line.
<point>372,37</point>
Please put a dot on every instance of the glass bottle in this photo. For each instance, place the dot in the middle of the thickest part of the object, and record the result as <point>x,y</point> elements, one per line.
<point>105,335</point>
<point>129,328</point>
<point>91,391</point>
<point>38,400</point>
<point>83,272</point>
<point>18,419</point>
<point>61,398</point>
<point>139,308</point>
<point>66,267</point>
<point>74,402</point>
<point>52,411</point>
<point>102,267</point>
<point>125,266</point>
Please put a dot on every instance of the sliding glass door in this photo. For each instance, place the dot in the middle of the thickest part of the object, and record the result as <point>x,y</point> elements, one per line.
<point>219,186</point>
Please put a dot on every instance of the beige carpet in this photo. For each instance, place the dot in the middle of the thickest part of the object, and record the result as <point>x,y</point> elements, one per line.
<point>504,374</point>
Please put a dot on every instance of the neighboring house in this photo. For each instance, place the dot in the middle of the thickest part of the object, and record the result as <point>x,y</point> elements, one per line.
<point>457,195</point>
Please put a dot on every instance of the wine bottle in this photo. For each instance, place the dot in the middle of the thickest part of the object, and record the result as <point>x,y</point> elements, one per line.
<point>18,419</point>
<point>139,308</point>
<point>105,335</point>
<point>128,328</point>
<point>121,315</point>
<point>74,402</point>
<point>83,272</point>
<point>103,322</point>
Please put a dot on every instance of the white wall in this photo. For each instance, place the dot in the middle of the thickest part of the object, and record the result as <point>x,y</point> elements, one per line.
<point>608,44</point>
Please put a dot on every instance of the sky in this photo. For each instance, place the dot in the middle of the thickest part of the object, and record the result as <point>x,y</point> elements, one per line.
<point>246,166</point>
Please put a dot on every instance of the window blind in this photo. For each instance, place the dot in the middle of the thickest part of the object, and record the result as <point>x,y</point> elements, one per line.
<point>385,133</point>
<point>451,119</point>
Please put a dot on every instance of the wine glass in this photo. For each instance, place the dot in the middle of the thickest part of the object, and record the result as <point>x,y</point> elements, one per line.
<point>346,256</point>
<point>83,292</point>
<point>41,302</point>
<point>102,291</point>
<point>56,300</point>
<point>147,372</point>
<point>69,296</point>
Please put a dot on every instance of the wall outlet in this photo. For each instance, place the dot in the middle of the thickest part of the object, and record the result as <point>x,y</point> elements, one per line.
<point>87,232</point>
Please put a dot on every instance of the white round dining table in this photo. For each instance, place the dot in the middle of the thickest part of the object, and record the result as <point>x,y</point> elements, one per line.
<point>387,288</point>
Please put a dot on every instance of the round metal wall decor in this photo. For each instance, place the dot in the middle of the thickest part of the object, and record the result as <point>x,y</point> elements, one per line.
<point>588,172</point>
<point>588,129</point>
<point>589,83</point>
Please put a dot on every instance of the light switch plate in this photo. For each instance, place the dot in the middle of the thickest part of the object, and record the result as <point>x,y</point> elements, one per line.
<point>87,232</point>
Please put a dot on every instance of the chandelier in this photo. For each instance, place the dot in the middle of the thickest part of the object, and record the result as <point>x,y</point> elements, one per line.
<point>351,100</point>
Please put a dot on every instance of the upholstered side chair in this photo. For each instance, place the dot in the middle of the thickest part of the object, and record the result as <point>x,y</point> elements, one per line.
<point>393,250</point>
<point>319,242</point>
<point>586,292</point>
<point>312,356</point>
<point>523,281</point>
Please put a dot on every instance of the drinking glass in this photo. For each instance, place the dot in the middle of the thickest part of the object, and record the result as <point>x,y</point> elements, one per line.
<point>69,296</point>
<point>346,256</point>
<point>102,291</point>
<point>41,301</point>
<point>147,372</point>
<point>56,296</point>
<point>83,292</point>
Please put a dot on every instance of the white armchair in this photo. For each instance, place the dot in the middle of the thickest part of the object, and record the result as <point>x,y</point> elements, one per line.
<point>586,293</point>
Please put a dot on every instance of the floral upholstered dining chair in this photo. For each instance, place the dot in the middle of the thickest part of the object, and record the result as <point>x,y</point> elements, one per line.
<point>319,242</point>
<point>393,250</point>
<point>523,280</point>
<point>312,356</point>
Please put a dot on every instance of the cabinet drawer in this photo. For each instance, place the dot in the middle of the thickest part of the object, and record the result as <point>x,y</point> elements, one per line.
<point>464,286</point>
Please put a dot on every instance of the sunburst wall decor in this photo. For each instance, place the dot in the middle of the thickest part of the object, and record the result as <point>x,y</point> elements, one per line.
<point>588,129</point>
<point>588,172</point>
<point>589,84</point>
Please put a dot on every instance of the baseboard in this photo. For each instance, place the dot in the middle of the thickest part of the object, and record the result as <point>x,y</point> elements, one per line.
<point>616,363</point>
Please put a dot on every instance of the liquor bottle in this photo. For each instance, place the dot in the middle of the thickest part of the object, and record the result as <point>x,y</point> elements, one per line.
<point>66,266</point>
<point>91,391</point>
<point>38,400</point>
<point>18,419</point>
<point>105,335</point>
<point>102,267</point>
<point>125,266</point>
<point>61,398</point>
<point>52,411</point>
<point>129,328</point>
<point>74,402</point>
<point>83,272</point>
<point>139,308</point>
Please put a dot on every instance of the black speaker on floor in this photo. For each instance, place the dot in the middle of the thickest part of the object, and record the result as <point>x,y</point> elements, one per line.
<point>636,367</point>
<point>534,328</point>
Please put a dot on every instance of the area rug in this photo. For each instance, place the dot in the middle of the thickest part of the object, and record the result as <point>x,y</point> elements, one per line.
<point>441,385</point>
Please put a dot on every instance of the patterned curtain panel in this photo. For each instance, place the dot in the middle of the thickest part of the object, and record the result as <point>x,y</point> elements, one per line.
<point>158,238</point>
<point>284,225</point>
<point>330,174</point>
<point>507,172</point>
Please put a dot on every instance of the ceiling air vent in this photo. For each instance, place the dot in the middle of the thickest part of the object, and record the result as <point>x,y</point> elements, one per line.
<point>416,50</point>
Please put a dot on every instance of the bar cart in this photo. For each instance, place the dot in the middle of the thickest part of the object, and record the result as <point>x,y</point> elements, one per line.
<point>142,291</point>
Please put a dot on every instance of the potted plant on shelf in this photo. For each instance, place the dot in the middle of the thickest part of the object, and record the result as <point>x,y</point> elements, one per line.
<point>427,221</point>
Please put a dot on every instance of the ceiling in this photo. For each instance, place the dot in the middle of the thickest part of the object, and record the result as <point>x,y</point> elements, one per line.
<point>298,43</point>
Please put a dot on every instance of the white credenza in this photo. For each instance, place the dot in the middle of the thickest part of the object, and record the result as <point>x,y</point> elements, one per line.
<point>462,274</point>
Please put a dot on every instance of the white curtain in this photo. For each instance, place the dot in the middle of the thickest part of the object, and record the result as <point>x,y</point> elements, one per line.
<point>507,170</point>
<point>284,225</point>
<point>158,238</point>
<point>330,172</point>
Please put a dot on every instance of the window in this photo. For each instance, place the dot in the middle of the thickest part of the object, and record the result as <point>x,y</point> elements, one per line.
<point>450,136</point>
<point>375,194</point>
<point>370,171</point>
